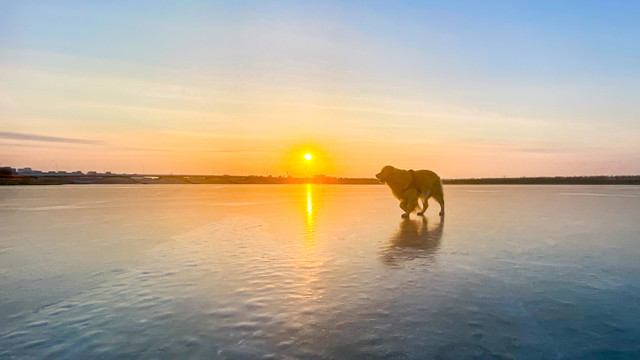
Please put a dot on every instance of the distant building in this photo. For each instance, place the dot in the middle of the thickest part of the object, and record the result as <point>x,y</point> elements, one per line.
<point>92,173</point>
<point>25,171</point>
<point>7,171</point>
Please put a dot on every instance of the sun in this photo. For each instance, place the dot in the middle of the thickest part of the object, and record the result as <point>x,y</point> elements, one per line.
<point>307,156</point>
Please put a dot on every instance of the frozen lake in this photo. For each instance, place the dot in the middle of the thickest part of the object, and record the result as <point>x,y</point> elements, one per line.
<point>318,271</point>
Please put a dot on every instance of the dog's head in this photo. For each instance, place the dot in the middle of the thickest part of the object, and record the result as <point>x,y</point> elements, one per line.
<point>386,173</point>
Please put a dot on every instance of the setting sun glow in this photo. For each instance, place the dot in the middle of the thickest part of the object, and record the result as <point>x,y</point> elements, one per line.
<point>307,157</point>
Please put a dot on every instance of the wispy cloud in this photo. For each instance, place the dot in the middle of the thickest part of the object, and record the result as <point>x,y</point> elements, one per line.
<point>44,138</point>
<point>198,150</point>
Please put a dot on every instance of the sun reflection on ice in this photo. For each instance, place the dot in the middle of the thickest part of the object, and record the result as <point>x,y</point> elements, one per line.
<point>308,261</point>
<point>309,233</point>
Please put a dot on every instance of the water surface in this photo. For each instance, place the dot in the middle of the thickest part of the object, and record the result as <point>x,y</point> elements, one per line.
<point>315,271</point>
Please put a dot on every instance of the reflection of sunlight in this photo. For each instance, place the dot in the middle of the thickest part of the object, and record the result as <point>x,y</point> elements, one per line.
<point>309,205</point>
<point>309,233</point>
<point>306,261</point>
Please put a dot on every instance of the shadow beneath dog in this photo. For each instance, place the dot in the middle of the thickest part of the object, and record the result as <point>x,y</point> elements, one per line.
<point>415,240</point>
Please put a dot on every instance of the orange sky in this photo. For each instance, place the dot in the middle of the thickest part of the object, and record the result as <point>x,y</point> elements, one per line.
<point>249,90</point>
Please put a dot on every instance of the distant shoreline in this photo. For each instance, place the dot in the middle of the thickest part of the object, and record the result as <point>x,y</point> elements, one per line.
<point>556,180</point>
<point>58,179</point>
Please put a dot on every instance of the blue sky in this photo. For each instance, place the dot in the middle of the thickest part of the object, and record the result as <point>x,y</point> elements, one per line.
<point>537,88</point>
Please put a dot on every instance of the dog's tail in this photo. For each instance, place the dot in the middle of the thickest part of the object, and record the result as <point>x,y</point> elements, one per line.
<point>438,188</point>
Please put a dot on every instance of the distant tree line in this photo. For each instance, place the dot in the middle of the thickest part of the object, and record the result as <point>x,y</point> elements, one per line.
<point>558,180</point>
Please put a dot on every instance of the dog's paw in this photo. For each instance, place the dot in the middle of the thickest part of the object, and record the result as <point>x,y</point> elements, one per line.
<point>420,213</point>
<point>405,215</point>
<point>441,213</point>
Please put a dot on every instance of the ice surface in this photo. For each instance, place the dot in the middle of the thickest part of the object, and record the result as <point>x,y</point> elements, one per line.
<point>315,271</point>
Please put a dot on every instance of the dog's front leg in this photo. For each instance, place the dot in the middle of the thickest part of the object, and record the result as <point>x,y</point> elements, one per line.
<point>403,205</point>
<point>409,206</point>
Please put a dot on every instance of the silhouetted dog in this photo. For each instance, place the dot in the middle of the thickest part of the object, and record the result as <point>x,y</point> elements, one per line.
<point>409,186</point>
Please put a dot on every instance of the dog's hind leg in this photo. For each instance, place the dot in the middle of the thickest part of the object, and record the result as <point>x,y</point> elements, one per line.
<point>440,199</point>
<point>425,202</point>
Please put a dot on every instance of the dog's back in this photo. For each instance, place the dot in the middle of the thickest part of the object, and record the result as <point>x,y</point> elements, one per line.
<point>430,180</point>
